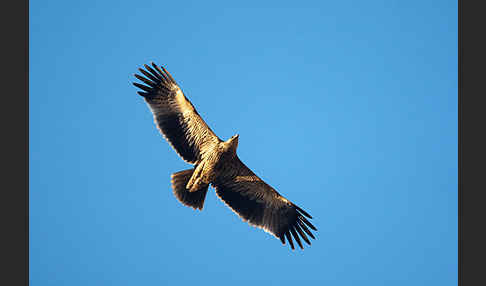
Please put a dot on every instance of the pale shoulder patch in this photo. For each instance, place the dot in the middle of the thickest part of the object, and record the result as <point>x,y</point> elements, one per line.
<point>183,103</point>
<point>246,179</point>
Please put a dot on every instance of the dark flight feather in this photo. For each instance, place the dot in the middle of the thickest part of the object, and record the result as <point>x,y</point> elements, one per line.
<point>297,239</point>
<point>306,229</point>
<point>302,234</point>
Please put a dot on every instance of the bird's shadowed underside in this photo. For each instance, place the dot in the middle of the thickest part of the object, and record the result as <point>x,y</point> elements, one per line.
<point>216,163</point>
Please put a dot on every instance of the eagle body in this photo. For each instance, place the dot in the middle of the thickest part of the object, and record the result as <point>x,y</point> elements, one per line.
<point>215,163</point>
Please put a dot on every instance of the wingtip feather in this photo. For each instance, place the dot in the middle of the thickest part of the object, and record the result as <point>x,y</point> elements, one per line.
<point>289,238</point>
<point>302,225</point>
<point>296,237</point>
<point>303,212</point>
<point>302,234</point>
<point>143,87</point>
<point>308,223</point>
<point>144,94</point>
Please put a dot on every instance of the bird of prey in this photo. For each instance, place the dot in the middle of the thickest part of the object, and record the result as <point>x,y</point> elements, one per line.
<point>216,163</point>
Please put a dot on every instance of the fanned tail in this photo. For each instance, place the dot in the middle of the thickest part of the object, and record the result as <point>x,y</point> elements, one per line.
<point>194,199</point>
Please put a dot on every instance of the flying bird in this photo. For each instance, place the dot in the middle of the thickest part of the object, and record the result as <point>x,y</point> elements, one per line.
<point>216,163</point>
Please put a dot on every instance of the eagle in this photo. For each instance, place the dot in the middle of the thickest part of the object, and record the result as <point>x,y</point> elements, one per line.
<point>216,163</point>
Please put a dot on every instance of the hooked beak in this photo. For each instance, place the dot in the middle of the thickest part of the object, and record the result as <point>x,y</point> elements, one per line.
<point>234,138</point>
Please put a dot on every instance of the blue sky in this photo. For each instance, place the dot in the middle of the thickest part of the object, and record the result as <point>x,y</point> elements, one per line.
<point>347,108</point>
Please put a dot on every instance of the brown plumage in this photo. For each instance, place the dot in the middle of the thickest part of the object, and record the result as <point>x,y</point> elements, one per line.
<point>216,163</point>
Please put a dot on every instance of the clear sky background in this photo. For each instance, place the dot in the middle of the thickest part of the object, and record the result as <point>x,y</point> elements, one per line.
<point>347,108</point>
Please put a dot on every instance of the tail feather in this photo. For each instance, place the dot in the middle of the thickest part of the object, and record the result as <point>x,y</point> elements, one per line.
<point>194,199</point>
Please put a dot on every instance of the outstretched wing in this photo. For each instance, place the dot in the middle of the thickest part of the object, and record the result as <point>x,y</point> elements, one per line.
<point>174,114</point>
<point>260,205</point>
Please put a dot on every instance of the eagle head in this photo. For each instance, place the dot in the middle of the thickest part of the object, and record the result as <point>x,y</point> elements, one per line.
<point>232,143</point>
